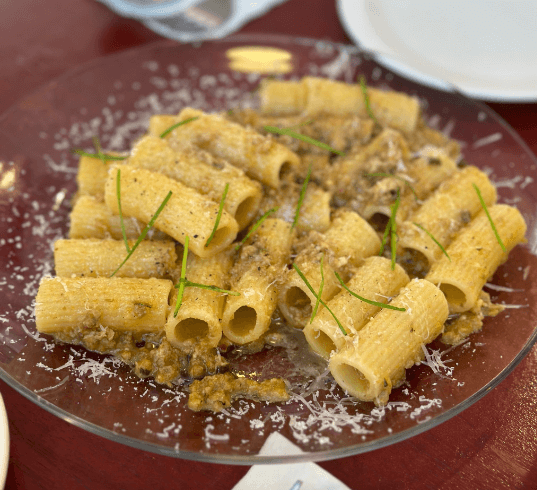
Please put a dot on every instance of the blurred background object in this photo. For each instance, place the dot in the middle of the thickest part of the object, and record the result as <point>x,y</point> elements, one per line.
<point>486,48</point>
<point>192,20</point>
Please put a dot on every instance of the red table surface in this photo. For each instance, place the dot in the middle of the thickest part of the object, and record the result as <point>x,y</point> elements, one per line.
<point>493,444</point>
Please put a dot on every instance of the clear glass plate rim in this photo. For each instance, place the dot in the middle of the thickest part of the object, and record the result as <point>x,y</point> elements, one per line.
<point>256,459</point>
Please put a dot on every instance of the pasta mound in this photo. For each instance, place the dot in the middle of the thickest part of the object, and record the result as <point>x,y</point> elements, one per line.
<point>333,206</point>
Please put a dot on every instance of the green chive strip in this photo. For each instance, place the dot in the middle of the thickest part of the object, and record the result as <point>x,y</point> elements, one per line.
<point>216,289</point>
<point>391,229</point>
<point>144,231</point>
<point>176,125</point>
<point>433,239</point>
<point>255,227</point>
<point>218,216</point>
<point>121,220</point>
<point>385,235</point>
<point>319,295</point>
<point>381,174</point>
<point>101,156</point>
<point>363,86</point>
<point>306,282</point>
<point>305,123</point>
<point>484,206</point>
<point>301,197</point>
<point>98,149</point>
<point>302,137</point>
<point>368,301</point>
<point>182,281</point>
<point>393,232</point>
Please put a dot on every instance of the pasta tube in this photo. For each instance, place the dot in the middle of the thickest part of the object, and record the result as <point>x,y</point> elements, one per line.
<point>259,156</point>
<point>197,169</point>
<point>316,96</point>
<point>363,167</point>
<point>376,359</point>
<point>295,299</point>
<point>279,97</point>
<point>351,237</point>
<point>124,304</point>
<point>91,218</point>
<point>429,170</point>
<point>315,210</point>
<point>452,206</point>
<point>91,176</point>
<point>101,258</point>
<point>475,254</point>
<point>187,213</point>
<point>374,280</point>
<point>255,276</point>
<point>198,319</point>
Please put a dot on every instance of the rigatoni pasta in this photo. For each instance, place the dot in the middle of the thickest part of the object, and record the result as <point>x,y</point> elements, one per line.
<point>198,321</point>
<point>259,156</point>
<point>330,231</point>
<point>475,254</point>
<point>374,361</point>
<point>101,258</point>
<point>436,222</point>
<point>125,304</point>
<point>374,280</point>
<point>255,276</point>
<point>316,96</point>
<point>92,218</point>
<point>188,213</point>
<point>200,171</point>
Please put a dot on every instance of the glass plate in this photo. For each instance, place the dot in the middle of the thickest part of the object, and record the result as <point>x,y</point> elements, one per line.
<point>112,98</point>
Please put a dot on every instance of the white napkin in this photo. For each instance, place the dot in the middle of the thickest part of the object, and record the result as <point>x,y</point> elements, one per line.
<point>284,476</point>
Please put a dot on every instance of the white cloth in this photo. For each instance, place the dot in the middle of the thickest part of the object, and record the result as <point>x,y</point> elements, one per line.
<point>284,476</point>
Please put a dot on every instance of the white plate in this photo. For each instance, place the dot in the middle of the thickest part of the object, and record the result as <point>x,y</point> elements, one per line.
<point>4,443</point>
<point>487,49</point>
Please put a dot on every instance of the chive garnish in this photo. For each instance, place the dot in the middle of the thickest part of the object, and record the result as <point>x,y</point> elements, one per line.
<point>398,177</point>
<point>305,123</point>
<point>216,289</point>
<point>385,236</point>
<point>118,192</point>
<point>369,301</point>
<point>301,197</point>
<point>101,156</point>
<point>433,239</point>
<point>319,295</point>
<point>218,216</point>
<point>183,278</point>
<point>393,234</point>
<point>98,152</point>
<point>484,206</point>
<point>176,125</point>
<point>306,282</point>
<point>144,231</point>
<point>98,149</point>
<point>302,137</point>
<point>363,86</point>
<point>255,227</point>
<point>185,283</point>
<point>391,229</point>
